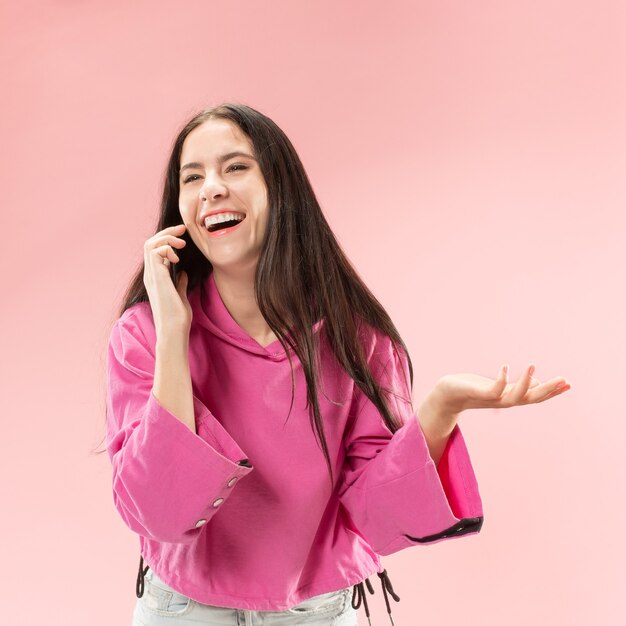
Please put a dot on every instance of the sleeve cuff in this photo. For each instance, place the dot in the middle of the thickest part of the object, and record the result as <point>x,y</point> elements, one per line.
<point>428,504</point>
<point>458,479</point>
<point>210,433</point>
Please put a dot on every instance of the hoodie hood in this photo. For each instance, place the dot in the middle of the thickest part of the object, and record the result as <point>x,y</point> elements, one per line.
<point>210,312</point>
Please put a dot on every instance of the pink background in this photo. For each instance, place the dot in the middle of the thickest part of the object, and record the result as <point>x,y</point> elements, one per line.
<point>470,157</point>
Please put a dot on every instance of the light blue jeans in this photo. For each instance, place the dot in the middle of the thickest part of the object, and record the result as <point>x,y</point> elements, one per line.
<point>161,605</point>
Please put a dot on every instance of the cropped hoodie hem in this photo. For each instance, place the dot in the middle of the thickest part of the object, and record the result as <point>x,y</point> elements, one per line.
<point>358,589</point>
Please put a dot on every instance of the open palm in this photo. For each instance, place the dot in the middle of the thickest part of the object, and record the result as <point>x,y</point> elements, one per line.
<point>458,392</point>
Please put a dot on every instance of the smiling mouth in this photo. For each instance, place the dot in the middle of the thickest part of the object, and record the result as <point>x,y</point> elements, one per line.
<point>213,227</point>
<point>220,224</point>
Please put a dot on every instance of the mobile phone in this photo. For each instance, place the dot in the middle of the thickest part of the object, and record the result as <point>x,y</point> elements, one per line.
<point>173,272</point>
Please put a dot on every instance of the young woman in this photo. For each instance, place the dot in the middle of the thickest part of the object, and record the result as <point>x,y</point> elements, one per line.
<point>259,419</point>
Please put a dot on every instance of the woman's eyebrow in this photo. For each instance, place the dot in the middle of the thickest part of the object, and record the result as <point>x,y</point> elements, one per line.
<point>220,159</point>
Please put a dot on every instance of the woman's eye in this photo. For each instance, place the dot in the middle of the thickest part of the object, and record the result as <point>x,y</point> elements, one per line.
<point>189,178</point>
<point>238,166</point>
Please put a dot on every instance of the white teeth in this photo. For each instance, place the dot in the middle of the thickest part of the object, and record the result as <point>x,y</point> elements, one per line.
<point>222,217</point>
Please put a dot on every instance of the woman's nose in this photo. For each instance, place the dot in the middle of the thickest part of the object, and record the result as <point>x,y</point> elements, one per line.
<point>213,187</point>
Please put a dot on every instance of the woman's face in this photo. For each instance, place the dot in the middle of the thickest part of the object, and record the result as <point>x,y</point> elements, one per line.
<point>213,179</point>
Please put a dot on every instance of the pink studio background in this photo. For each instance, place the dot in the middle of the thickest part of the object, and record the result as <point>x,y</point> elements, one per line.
<point>470,157</point>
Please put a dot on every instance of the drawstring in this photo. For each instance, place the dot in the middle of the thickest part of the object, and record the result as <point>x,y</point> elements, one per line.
<point>140,577</point>
<point>358,591</point>
<point>358,594</point>
<point>386,585</point>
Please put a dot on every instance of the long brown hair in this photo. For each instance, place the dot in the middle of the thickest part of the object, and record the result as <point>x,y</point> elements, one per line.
<point>302,274</point>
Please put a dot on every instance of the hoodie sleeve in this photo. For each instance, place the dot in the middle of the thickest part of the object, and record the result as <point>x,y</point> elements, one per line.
<point>390,486</point>
<point>168,481</point>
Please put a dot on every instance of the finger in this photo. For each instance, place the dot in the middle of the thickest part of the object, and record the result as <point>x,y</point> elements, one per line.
<point>490,390</point>
<point>548,390</point>
<point>522,385</point>
<point>554,392</point>
<point>171,231</point>
<point>166,252</point>
<point>502,380</point>
<point>176,228</point>
<point>161,240</point>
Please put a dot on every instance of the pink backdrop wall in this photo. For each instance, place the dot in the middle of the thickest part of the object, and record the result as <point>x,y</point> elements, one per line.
<point>470,157</point>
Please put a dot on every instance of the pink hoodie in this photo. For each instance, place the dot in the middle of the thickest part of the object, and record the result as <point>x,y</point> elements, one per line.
<point>241,514</point>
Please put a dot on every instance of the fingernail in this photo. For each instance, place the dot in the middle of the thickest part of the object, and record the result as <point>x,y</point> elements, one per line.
<point>531,371</point>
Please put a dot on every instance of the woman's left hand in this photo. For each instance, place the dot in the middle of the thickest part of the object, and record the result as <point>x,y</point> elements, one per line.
<point>458,392</point>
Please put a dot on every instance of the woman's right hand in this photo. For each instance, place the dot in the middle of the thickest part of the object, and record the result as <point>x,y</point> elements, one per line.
<point>170,308</point>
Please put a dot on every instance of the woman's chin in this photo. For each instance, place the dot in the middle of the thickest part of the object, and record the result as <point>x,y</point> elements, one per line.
<point>233,264</point>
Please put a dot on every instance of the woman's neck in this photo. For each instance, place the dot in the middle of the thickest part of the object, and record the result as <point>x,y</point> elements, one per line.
<point>237,294</point>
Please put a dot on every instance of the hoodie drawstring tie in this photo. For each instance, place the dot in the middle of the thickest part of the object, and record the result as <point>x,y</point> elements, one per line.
<point>140,577</point>
<point>358,594</point>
